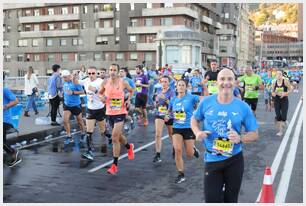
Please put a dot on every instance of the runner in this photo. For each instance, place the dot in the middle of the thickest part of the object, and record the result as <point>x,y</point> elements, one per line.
<point>95,111</point>
<point>280,91</point>
<point>142,84</point>
<point>112,93</point>
<point>223,117</point>
<point>162,102</point>
<point>295,77</point>
<point>72,104</point>
<point>181,108</point>
<point>197,86</point>
<point>211,78</point>
<point>9,100</point>
<point>252,83</point>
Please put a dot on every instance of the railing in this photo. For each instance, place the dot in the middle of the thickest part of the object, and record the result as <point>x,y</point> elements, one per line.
<point>17,83</point>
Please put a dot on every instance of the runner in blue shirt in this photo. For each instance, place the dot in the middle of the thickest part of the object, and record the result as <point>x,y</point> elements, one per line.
<point>181,108</point>
<point>223,116</point>
<point>196,82</point>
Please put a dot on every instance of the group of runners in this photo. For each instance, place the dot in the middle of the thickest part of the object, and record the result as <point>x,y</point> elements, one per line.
<point>211,108</point>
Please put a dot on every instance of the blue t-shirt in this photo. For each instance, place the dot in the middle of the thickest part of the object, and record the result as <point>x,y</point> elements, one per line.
<point>217,118</point>
<point>195,82</point>
<point>8,96</point>
<point>182,109</point>
<point>72,100</point>
<point>162,106</point>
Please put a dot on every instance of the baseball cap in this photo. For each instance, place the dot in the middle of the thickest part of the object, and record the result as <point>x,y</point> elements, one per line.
<point>65,73</point>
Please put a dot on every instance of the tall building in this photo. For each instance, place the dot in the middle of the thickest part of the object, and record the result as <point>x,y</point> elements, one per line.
<point>300,22</point>
<point>77,34</point>
<point>252,48</point>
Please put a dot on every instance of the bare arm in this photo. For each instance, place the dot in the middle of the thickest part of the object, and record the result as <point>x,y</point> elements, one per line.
<point>250,137</point>
<point>11,104</point>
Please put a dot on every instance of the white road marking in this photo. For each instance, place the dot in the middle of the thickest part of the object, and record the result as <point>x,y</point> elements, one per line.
<point>286,174</point>
<point>124,155</point>
<point>282,147</point>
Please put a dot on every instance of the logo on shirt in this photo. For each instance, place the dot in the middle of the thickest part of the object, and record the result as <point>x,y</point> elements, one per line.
<point>223,114</point>
<point>234,113</point>
<point>210,113</point>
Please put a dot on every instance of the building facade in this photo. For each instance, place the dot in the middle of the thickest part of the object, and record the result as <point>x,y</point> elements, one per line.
<point>252,48</point>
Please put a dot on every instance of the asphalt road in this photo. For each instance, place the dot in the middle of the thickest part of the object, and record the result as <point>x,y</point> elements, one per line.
<point>49,174</point>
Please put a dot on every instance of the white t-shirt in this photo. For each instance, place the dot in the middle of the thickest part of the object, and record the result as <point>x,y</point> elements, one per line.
<point>93,100</point>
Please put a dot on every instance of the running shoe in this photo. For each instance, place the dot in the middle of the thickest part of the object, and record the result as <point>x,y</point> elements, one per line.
<point>16,159</point>
<point>113,169</point>
<point>88,155</point>
<point>196,152</point>
<point>146,122</point>
<point>179,179</point>
<point>67,140</point>
<point>131,152</point>
<point>157,159</point>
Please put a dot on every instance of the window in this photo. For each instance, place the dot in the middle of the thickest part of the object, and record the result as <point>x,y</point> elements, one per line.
<point>149,5</point>
<point>101,40</point>
<point>117,39</point>
<point>133,56</point>
<point>21,72</point>
<point>7,58</point>
<point>27,28</point>
<point>107,56</point>
<point>28,57</point>
<point>20,57</point>
<point>107,7</point>
<point>19,13</point>
<point>149,38</point>
<point>28,13</point>
<point>50,26</point>
<point>75,57</point>
<point>36,57</point>
<point>35,42</point>
<point>132,39</point>
<point>168,5</point>
<point>36,12</point>
<point>64,57</point>
<point>166,21</point>
<point>49,42</point>
<point>97,24</point>
<point>75,9</point>
<point>64,10</point>
<point>6,44</point>
<point>186,54</point>
<point>197,55</point>
<point>148,22</point>
<point>85,9</point>
<point>117,23</point>
<point>63,42</point>
<point>50,11</point>
<point>36,27</point>
<point>80,41</point>
<point>119,56</point>
<point>117,6</point>
<point>4,27</point>
<point>22,43</point>
<point>172,54</point>
<point>51,58</point>
<point>96,8</point>
<point>83,25</point>
<point>134,22</point>
<point>19,28</point>
<point>65,25</point>
<point>226,15</point>
<point>132,6</point>
<point>74,41</point>
<point>104,40</point>
<point>107,24</point>
<point>148,56</point>
<point>98,57</point>
<point>8,29</point>
<point>82,57</point>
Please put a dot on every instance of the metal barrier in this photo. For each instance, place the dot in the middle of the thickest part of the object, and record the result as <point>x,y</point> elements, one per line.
<point>17,83</point>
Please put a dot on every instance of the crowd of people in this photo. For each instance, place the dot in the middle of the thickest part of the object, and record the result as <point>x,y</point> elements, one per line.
<point>210,107</point>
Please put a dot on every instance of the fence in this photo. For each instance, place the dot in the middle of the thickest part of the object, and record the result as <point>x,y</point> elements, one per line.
<point>17,83</point>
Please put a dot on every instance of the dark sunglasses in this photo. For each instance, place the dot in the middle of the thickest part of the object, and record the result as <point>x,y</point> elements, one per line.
<point>91,73</point>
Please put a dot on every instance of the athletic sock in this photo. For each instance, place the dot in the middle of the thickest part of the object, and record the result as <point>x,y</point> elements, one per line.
<point>158,154</point>
<point>115,161</point>
<point>182,174</point>
<point>89,140</point>
<point>127,146</point>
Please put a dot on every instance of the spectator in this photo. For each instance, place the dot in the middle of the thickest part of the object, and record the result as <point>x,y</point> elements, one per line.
<point>55,87</point>
<point>31,90</point>
<point>82,73</point>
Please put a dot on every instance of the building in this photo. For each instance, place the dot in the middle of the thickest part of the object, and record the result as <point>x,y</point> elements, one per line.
<point>283,29</point>
<point>228,35</point>
<point>252,48</point>
<point>77,34</point>
<point>300,22</point>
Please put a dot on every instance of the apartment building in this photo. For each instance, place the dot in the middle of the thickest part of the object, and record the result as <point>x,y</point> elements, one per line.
<point>252,48</point>
<point>79,34</point>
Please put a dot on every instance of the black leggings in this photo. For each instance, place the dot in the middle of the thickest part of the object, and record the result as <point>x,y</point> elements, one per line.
<point>7,148</point>
<point>281,108</point>
<point>229,173</point>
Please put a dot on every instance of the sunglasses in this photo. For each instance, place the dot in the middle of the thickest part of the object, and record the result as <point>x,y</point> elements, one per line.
<point>91,73</point>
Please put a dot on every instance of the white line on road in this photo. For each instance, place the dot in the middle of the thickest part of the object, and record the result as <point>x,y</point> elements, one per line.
<point>282,147</point>
<point>125,155</point>
<point>286,174</point>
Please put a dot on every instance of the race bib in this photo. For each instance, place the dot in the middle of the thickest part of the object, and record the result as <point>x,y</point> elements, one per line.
<point>279,89</point>
<point>223,146</point>
<point>138,89</point>
<point>249,88</point>
<point>162,110</point>
<point>115,104</point>
<point>179,116</point>
<point>212,87</point>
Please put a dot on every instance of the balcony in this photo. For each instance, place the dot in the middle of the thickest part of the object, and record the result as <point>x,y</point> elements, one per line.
<point>147,29</point>
<point>218,25</point>
<point>207,20</point>
<point>226,31</point>
<point>106,31</point>
<point>104,15</point>
<point>170,12</point>
<point>146,47</point>
<point>53,33</point>
<point>49,18</point>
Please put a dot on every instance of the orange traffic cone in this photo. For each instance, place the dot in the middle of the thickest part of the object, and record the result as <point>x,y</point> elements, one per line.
<point>267,195</point>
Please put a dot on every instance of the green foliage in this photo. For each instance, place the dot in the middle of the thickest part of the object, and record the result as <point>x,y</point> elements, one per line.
<point>264,14</point>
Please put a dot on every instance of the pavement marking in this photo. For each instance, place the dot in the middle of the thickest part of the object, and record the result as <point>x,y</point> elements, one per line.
<point>288,167</point>
<point>282,147</point>
<point>125,155</point>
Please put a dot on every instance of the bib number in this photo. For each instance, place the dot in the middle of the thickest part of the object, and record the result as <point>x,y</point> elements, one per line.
<point>223,147</point>
<point>138,89</point>
<point>180,116</point>
<point>162,110</point>
<point>115,104</point>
